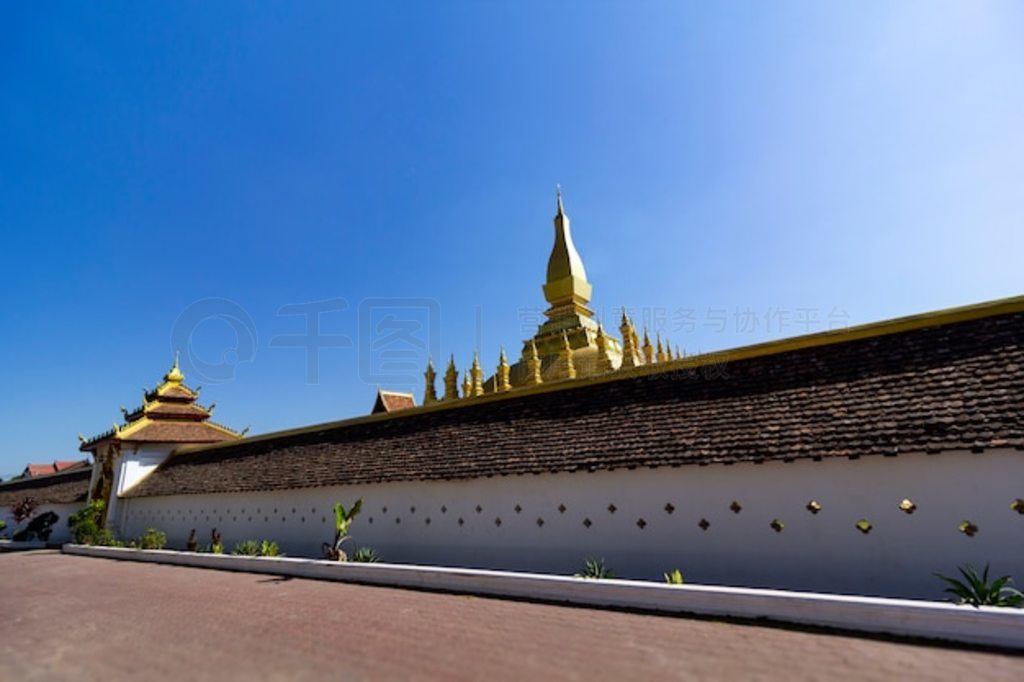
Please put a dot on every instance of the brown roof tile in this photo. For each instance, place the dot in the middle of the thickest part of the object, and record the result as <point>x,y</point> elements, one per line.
<point>65,487</point>
<point>953,386</point>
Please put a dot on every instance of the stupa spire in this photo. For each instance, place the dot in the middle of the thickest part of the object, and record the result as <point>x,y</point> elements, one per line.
<point>568,366</point>
<point>533,364</point>
<point>451,380</point>
<point>429,376</point>
<point>566,279</point>
<point>604,363</point>
<point>629,351</point>
<point>477,376</point>
<point>501,381</point>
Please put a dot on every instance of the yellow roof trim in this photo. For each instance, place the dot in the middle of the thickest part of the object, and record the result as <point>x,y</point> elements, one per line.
<point>947,316</point>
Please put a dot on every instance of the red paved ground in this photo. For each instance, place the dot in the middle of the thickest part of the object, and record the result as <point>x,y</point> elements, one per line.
<point>65,617</point>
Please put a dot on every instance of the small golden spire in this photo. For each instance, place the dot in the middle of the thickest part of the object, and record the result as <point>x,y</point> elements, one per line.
<point>533,364</point>
<point>679,355</point>
<point>648,349</point>
<point>568,366</point>
<point>467,385</point>
<point>429,377</point>
<point>451,380</point>
<point>668,351</point>
<point>604,363</point>
<point>174,375</point>
<point>629,358</point>
<point>477,376</point>
<point>501,382</point>
<point>660,353</point>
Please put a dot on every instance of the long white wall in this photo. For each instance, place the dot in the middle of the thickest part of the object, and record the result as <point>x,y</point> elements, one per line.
<point>61,533</point>
<point>655,523</point>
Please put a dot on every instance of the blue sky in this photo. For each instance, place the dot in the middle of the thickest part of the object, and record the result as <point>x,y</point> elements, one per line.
<point>734,172</point>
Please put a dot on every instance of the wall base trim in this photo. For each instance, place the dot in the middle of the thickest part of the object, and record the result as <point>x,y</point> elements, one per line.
<point>987,626</point>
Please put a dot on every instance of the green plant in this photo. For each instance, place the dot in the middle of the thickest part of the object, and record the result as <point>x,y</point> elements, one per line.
<point>247,548</point>
<point>978,591</point>
<point>365,555</point>
<point>106,538</point>
<point>153,539</point>
<point>342,522</point>
<point>595,569</point>
<point>268,548</point>
<point>85,523</point>
<point>675,577</point>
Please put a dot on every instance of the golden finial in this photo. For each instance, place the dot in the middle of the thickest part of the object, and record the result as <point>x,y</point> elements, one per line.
<point>604,363</point>
<point>429,377</point>
<point>467,385</point>
<point>679,355</point>
<point>558,192</point>
<point>477,375</point>
<point>668,351</point>
<point>629,358</point>
<point>501,382</point>
<point>533,364</point>
<point>648,349</point>
<point>660,353</point>
<point>451,380</point>
<point>174,375</point>
<point>568,366</point>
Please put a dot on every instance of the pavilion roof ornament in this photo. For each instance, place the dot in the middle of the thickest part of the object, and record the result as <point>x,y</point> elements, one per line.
<point>174,374</point>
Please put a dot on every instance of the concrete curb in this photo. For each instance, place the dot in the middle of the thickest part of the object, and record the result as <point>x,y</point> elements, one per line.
<point>19,545</point>
<point>988,626</point>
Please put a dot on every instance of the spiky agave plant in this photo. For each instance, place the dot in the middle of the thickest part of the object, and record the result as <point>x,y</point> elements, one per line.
<point>342,522</point>
<point>675,577</point>
<point>978,591</point>
<point>595,569</point>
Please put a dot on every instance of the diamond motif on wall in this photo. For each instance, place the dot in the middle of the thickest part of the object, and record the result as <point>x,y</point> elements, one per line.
<point>497,521</point>
<point>444,509</point>
<point>704,524</point>
<point>561,509</point>
<point>777,525</point>
<point>461,521</point>
<point>908,506</point>
<point>587,523</point>
<point>669,508</point>
<point>864,526</point>
<point>736,507</point>
<point>398,519</point>
<point>370,520</point>
<point>641,524</point>
<point>383,510</point>
<point>968,528</point>
<point>412,510</point>
<point>540,522</point>
<point>612,508</point>
<point>814,506</point>
<point>479,509</point>
<point>427,520</point>
<point>1017,506</point>
<point>518,509</point>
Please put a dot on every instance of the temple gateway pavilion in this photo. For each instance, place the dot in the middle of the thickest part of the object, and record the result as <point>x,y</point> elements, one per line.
<point>858,461</point>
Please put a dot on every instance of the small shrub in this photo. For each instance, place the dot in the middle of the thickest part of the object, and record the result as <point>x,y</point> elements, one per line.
<point>153,539</point>
<point>595,569</point>
<point>365,555</point>
<point>978,591</point>
<point>216,548</point>
<point>247,548</point>
<point>269,548</point>
<point>85,523</point>
<point>675,577</point>
<point>106,538</point>
<point>342,522</point>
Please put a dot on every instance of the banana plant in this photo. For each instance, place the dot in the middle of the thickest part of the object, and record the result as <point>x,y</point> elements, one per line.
<point>342,521</point>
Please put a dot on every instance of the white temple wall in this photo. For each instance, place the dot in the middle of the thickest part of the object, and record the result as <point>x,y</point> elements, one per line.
<point>133,465</point>
<point>821,552</point>
<point>61,533</point>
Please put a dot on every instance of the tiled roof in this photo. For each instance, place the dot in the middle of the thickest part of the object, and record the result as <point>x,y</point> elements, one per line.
<point>54,467</point>
<point>166,431</point>
<point>954,386</point>
<point>390,401</point>
<point>65,487</point>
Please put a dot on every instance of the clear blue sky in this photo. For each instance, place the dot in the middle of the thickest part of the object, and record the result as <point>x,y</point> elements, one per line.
<point>785,161</point>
